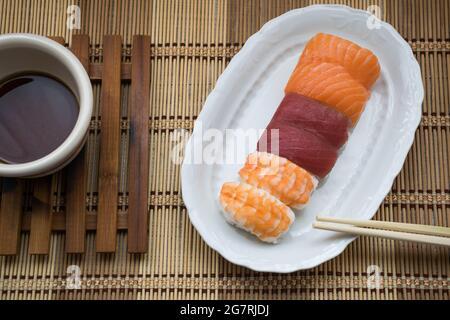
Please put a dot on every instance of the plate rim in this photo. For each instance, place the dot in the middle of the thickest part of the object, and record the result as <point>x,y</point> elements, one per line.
<point>394,170</point>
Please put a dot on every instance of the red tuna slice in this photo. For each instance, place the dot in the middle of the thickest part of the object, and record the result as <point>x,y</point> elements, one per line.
<point>302,147</point>
<point>300,111</point>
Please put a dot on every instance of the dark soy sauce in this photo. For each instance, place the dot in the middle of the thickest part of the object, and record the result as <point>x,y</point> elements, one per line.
<point>37,113</point>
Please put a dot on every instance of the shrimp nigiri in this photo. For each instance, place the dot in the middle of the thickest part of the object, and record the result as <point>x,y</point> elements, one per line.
<point>280,177</point>
<point>255,211</point>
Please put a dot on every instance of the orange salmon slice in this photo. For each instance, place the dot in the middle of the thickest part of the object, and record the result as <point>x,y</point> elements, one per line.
<point>330,84</point>
<point>359,62</point>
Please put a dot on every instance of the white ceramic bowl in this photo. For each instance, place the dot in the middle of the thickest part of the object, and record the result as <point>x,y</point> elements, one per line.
<point>27,52</point>
<point>246,97</point>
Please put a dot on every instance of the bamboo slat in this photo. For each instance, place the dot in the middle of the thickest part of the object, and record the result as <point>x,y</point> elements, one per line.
<point>110,146</point>
<point>139,146</point>
<point>10,215</point>
<point>41,216</point>
<point>76,174</point>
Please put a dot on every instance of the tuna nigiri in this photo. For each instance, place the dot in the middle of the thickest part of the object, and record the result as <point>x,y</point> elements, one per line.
<point>332,85</point>
<point>311,115</point>
<point>359,62</point>
<point>280,177</point>
<point>255,211</point>
<point>303,148</point>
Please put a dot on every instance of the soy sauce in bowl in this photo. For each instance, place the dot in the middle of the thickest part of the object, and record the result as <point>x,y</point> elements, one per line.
<point>37,113</point>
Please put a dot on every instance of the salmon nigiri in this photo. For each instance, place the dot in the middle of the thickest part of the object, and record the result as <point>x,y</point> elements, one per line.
<point>332,85</point>
<point>359,62</point>
<point>280,177</point>
<point>255,211</point>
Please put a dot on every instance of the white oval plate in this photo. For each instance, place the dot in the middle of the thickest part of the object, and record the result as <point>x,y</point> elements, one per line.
<point>247,95</point>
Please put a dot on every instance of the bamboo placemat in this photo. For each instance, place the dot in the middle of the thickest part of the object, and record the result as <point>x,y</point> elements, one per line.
<point>192,42</point>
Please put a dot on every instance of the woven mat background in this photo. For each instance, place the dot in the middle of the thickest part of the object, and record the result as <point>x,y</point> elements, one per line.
<point>192,42</point>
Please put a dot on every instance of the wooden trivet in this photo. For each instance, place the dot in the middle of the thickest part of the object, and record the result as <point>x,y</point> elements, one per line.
<point>76,220</point>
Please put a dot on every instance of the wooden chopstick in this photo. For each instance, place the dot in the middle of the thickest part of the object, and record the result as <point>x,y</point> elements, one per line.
<point>343,225</point>
<point>394,226</point>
